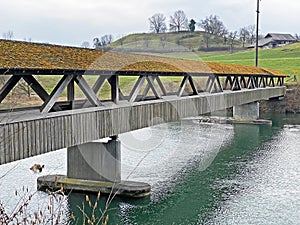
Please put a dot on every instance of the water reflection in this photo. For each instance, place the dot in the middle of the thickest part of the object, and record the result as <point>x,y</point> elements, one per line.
<point>200,174</point>
<point>269,185</point>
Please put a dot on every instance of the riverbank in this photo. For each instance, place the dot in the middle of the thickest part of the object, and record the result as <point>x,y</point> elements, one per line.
<point>289,104</point>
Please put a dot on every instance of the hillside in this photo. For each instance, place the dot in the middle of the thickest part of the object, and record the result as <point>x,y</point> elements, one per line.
<point>284,59</point>
<point>173,42</point>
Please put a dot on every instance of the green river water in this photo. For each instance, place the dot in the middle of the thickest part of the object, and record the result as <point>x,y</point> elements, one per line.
<point>199,173</point>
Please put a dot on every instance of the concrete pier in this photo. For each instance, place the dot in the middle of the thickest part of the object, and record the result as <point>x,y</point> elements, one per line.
<point>96,161</point>
<point>248,111</point>
<point>94,167</point>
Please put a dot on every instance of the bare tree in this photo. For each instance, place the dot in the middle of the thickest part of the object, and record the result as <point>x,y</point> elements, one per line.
<point>232,36</point>
<point>178,21</point>
<point>252,33</point>
<point>9,35</point>
<point>213,25</point>
<point>206,37</point>
<point>158,23</point>
<point>106,39</point>
<point>103,41</point>
<point>297,36</point>
<point>244,35</point>
<point>85,44</point>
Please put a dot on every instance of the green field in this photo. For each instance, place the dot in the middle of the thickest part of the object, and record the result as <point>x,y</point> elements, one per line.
<point>284,59</point>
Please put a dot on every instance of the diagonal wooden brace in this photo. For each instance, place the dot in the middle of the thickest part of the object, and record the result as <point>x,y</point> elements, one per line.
<point>62,84</point>
<point>8,86</point>
<point>87,90</point>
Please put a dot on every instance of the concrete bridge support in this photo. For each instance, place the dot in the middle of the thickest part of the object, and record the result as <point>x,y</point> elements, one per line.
<point>95,161</point>
<point>248,111</point>
<point>95,167</point>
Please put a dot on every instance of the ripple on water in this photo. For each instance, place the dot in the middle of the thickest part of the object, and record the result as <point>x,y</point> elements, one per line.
<point>269,185</point>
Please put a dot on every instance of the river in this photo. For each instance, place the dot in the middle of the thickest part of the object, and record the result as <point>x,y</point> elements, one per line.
<point>199,173</point>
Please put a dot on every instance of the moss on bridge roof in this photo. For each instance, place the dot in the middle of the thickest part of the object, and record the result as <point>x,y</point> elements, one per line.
<point>24,55</point>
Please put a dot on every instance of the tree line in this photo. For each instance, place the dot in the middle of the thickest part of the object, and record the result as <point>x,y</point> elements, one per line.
<point>211,24</point>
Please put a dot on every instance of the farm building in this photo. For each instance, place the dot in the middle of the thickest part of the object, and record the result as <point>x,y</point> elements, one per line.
<point>273,40</point>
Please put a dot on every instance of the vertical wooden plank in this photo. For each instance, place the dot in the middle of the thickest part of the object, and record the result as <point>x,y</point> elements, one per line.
<point>41,136</point>
<point>52,135</point>
<point>47,132</point>
<point>7,143</point>
<point>55,133</point>
<point>21,148</point>
<point>71,130</point>
<point>61,131</point>
<point>37,137</point>
<point>82,125</point>
<point>67,132</point>
<point>28,138</point>
<point>25,141</point>
<point>2,146</point>
<point>16,131</point>
<point>11,143</point>
<point>33,137</point>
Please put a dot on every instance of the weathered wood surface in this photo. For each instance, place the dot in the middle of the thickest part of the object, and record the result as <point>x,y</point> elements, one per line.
<point>30,133</point>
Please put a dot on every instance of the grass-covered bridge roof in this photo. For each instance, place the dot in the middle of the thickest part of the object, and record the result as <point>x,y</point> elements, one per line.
<point>17,56</point>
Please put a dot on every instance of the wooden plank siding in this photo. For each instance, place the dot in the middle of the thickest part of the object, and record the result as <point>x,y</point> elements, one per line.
<point>38,134</point>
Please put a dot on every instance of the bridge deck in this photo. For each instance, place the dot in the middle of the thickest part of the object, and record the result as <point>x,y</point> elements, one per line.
<point>30,133</point>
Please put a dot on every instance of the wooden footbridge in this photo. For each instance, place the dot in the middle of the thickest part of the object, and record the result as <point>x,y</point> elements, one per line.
<point>55,124</point>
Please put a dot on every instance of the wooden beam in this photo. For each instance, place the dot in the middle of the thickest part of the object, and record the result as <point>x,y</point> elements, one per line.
<point>38,89</point>
<point>152,86</point>
<point>228,80</point>
<point>236,85</point>
<point>99,82</point>
<point>161,85</point>
<point>212,82</point>
<point>87,90</point>
<point>137,87</point>
<point>8,86</point>
<point>262,82</point>
<point>219,86</point>
<point>242,82</point>
<point>71,93</point>
<point>182,86</point>
<point>114,84</point>
<point>193,86</point>
<point>59,88</point>
<point>35,85</point>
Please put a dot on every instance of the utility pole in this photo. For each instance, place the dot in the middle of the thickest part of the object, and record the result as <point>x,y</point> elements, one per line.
<point>257,24</point>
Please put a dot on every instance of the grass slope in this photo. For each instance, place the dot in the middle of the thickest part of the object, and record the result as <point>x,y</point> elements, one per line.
<point>173,42</point>
<point>284,59</point>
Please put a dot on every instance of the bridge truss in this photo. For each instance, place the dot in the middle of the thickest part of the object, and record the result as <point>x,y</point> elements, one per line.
<point>146,81</point>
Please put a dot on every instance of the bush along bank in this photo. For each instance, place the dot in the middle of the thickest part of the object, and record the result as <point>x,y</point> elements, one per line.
<point>289,104</point>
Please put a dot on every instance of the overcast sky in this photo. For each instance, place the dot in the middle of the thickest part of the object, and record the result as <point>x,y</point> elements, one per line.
<point>71,22</point>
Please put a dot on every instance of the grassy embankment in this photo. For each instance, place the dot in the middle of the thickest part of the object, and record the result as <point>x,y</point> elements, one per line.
<point>285,59</point>
<point>173,42</point>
